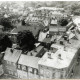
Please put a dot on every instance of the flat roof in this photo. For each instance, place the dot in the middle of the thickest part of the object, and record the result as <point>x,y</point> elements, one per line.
<point>55,62</point>
<point>30,61</point>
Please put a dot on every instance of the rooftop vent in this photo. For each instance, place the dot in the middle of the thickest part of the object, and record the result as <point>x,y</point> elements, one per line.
<point>31,54</point>
<point>49,56</point>
<point>59,56</point>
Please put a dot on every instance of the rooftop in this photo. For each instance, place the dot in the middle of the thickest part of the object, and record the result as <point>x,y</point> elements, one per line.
<point>56,62</point>
<point>30,61</point>
<point>47,40</point>
<point>57,28</point>
<point>12,56</point>
<point>33,29</point>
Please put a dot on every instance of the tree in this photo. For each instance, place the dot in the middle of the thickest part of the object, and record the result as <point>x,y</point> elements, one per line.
<point>26,40</point>
<point>63,22</point>
<point>23,22</point>
<point>6,22</point>
<point>4,42</point>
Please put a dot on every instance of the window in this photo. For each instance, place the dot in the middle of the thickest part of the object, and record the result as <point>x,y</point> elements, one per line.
<point>47,74</point>
<point>35,71</point>
<point>30,69</point>
<point>10,72</point>
<point>23,67</point>
<point>16,74</point>
<point>41,71</point>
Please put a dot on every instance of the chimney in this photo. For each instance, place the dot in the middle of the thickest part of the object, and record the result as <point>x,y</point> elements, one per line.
<point>11,50</point>
<point>31,54</point>
<point>49,56</point>
<point>59,56</point>
<point>64,48</point>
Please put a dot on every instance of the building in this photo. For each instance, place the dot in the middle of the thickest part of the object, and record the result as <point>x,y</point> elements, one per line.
<point>35,20</point>
<point>56,14</point>
<point>34,29</point>
<point>46,42</point>
<point>58,63</point>
<point>53,30</point>
<point>53,21</point>
<point>10,61</point>
<point>57,30</point>
<point>37,52</point>
<point>28,67</point>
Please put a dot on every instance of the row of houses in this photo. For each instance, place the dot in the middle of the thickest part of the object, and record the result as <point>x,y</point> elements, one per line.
<point>56,63</point>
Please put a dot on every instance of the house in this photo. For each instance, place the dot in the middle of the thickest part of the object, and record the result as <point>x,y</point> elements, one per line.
<point>58,63</point>
<point>62,30</point>
<point>42,35</point>
<point>57,30</point>
<point>35,19</point>
<point>34,29</point>
<point>46,42</point>
<point>53,30</point>
<point>28,67</point>
<point>53,21</point>
<point>46,22</point>
<point>10,61</point>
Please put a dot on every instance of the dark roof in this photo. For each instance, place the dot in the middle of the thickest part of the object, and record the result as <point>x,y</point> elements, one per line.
<point>12,56</point>
<point>33,29</point>
<point>38,49</point>
<point>47,40</point>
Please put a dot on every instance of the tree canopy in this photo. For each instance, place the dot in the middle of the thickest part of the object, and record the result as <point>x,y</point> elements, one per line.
<point>26,40</point>
<point>4,42</point>
<point>6,22</point>
<point>63,22</point>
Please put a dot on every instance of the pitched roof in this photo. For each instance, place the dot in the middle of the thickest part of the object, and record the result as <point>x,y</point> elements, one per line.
<point>33,29</point>
<point>12,56</point>
<point>47,40</point>
<point>30,61</point>
<point>53,28</point>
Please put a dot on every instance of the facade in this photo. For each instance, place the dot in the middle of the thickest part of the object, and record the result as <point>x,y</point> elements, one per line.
<point>28,67</point>
<point>57,63</point>
<point>35,19</point>
<point>57,30</point>
<point>53,30</point>
<point>10,61</point>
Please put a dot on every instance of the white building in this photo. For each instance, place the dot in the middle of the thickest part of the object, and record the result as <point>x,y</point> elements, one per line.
<point>58,63</point>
